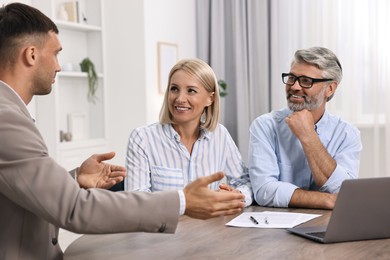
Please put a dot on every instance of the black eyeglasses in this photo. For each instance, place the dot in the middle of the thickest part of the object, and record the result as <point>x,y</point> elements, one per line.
<point>305,82</point>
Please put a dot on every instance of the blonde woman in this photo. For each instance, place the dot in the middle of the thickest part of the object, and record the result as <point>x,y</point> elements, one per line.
<point>188,142</point>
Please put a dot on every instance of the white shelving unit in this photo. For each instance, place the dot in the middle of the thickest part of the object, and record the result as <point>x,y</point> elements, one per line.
<point>67,108</point>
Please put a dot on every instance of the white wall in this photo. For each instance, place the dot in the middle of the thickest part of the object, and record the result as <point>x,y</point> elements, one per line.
<point>125,71</point>
<point>133,29</point>
<point>3,2</point>
<point>170,21</point>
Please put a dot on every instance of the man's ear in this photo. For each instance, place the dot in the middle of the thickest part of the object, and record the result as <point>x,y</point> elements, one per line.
<point>30,55</point>
<point>331,89</point>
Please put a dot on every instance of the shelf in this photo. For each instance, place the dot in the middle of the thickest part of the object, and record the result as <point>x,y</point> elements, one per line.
<point>75,74</point>
<point>68,109</point>
<point>77,26</point>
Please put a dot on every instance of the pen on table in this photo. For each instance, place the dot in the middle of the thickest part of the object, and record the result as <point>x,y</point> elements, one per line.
<point>266,220</point>
<point>254,220</point>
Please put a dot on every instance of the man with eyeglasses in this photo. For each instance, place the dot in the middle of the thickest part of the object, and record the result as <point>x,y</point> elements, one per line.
<point>300,155</point>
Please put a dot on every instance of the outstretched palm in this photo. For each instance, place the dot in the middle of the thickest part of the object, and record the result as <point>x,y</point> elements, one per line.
<point>94,173</point>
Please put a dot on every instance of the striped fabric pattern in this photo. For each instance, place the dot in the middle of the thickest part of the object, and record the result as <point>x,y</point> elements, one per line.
<point>156,160</point>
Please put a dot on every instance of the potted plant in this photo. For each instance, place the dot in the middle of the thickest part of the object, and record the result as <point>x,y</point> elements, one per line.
<point>88,67</point>
<point>222,88</point>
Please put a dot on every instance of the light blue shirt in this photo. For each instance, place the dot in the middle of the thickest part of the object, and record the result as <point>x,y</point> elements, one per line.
<point>278,165</point>
<point>157,160</point>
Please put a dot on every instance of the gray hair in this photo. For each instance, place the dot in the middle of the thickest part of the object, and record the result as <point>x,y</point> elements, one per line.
<point>324,59</point>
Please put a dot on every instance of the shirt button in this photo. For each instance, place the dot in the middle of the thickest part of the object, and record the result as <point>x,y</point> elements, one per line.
<point>54,241</point>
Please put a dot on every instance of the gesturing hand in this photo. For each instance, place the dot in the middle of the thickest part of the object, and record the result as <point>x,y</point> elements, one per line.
<point>204,203</point>
<point>94,173</point>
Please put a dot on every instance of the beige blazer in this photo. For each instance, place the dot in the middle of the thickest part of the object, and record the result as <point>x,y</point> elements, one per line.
<point>37,196</point>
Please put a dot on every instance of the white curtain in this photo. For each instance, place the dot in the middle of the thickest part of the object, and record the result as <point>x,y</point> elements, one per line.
<point>233,39</point>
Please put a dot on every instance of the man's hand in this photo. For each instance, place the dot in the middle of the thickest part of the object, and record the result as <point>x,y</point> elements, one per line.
<point>301,124</point>
<point>203,203</point>
<point>321,163</point>
<point>93,173</point>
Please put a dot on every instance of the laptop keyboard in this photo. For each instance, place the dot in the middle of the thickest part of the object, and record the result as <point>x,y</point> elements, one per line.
<point>317,234</point>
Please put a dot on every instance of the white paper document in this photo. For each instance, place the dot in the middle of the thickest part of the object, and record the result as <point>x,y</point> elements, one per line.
<point>270,219</point>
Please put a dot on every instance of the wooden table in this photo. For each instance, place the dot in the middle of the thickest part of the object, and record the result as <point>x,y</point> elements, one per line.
<point>211,239</point>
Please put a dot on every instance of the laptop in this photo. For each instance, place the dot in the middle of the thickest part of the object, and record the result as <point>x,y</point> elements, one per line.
<point>361,212</point>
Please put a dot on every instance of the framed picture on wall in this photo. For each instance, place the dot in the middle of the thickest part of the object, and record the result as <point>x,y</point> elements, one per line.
<point>167,55</point>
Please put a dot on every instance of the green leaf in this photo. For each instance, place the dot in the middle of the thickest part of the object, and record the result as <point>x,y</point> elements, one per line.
<point>87,66</point>
<point>222,88</point>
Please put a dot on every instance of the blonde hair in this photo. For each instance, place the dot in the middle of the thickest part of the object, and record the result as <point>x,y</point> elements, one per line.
<point>206,76</point>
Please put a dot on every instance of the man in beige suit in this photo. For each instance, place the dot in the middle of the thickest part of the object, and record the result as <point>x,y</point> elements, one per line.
<point>37,196</point>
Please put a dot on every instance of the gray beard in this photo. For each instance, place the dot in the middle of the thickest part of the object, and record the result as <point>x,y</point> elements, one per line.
<point>309,103</point>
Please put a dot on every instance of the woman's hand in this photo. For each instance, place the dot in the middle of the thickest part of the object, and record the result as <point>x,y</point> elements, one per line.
<point>224,187</point>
